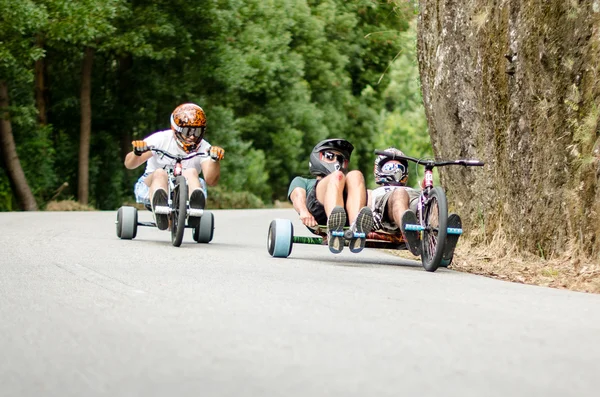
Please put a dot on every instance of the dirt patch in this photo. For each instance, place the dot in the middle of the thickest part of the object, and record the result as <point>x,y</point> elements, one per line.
<point>563,273</point>
<point>68,205</point>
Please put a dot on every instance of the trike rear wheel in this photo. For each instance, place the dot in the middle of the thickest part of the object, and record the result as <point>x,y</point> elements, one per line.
<point>127,222</point>
<point>435,218</point>
<point>179,213</point>
<point>280,238</point>
<point>203,233</point>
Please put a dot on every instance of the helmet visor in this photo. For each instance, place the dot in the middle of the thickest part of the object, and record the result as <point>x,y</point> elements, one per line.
<point>393,167</point>
<point>191,132</point>
<point>331,157</point>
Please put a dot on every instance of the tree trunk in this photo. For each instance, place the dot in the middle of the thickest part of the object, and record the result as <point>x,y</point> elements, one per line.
<point>85,127</point>
<point>40,87</point>
<point>8,149</point>
<point>514,84</point>
<point>125,99</point>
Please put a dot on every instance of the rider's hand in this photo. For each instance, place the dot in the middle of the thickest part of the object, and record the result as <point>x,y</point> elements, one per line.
<point>216,153</point>
<point>139,147</point>
<point>307,219</point>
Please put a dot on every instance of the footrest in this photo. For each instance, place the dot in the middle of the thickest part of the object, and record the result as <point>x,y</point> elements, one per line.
<point>454,230</point>
<point>349,234</point>
<point>412,227</point>
<point>162,210</point>
<point>195,212</point>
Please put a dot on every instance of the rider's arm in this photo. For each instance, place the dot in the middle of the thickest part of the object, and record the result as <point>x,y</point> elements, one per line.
<point>132,161</point>
<point>211,171</point>
<point>297,196</point>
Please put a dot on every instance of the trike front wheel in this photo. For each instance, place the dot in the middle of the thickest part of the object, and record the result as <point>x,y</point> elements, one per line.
<point>435,221</point>
<point>179,210</point>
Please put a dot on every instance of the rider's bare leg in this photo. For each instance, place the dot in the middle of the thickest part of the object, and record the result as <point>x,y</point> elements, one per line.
<point>330,191</point>
<point>397,206</point>
<point>197,196</point>
<point>193,179</point>
<point>397,203</point>
<point>157,180</point>
<point>357,194</point>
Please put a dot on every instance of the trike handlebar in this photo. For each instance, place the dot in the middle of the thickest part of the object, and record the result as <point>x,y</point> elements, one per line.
<point>428,162</point>
<point>176,157</point>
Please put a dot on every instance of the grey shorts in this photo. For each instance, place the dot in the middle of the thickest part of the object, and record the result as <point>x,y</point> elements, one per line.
<point>142,191</point>
<point>379,203</point>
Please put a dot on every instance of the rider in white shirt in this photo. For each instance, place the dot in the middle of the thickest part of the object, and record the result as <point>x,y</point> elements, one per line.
<point>188,126</point>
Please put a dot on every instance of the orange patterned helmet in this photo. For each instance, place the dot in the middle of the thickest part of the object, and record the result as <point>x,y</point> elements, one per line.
<point>188,122</point>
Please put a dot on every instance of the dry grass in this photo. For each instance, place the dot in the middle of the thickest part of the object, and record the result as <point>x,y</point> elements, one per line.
<point>564,273</point>
<point>500,260</point>
<point>68,205</point>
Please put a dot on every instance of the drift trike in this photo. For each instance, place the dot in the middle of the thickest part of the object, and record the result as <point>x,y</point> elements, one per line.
<point>438,232</point>
<point>178,209</point>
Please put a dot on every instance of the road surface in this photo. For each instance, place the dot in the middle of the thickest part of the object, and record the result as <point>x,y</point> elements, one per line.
<point>83,313</point>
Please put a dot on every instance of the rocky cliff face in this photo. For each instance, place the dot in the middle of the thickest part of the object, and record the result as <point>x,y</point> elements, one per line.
<point>516,83</point>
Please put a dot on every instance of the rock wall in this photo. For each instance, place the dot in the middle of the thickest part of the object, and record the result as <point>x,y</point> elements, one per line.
<point>516,83</point>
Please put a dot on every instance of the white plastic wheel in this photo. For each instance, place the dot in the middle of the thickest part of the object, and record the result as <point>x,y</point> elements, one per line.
<point>280,238</point>
<point>203,233</point>
<point>127,222</point>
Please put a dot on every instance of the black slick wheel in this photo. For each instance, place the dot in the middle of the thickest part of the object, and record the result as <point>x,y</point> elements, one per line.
<point>434,234</point>
<point>179,213</point>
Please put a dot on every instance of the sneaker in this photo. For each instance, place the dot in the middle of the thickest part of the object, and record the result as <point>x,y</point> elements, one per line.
<point>197,202</point>
<point>160,199</point>
<point>335,229</point>
<point>412,237</point>
<point>360,228</point>
<point>452,236</point>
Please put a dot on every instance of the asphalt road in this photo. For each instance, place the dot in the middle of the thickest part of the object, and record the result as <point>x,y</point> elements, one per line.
<point>83,313</point>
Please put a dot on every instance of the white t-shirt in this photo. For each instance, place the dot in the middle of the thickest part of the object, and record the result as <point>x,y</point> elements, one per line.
<point>165,140</point>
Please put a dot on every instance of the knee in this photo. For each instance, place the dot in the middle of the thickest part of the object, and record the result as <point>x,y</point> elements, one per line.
<point>355,177</point>
<point>398,200</point>
<point>159,174</point>
<point>400,195</point>
<point>337,178</point>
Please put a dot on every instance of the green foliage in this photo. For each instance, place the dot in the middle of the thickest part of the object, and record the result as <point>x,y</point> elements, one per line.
<point>80,23</point>
<point>19,22</point>
<point>219,198</point>
<point>403,122</point>
<point>7,199</point>
<point>274,77</point>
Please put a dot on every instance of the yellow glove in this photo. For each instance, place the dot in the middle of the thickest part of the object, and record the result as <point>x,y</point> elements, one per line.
<point>139,147</point>
<point>216,153</point>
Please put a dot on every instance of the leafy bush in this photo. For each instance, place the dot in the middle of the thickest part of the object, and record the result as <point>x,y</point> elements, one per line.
<point>219,198</point>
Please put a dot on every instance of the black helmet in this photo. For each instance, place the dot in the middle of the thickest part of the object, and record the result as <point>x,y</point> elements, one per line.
<point>319,166</point>
<point>397,176</point>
